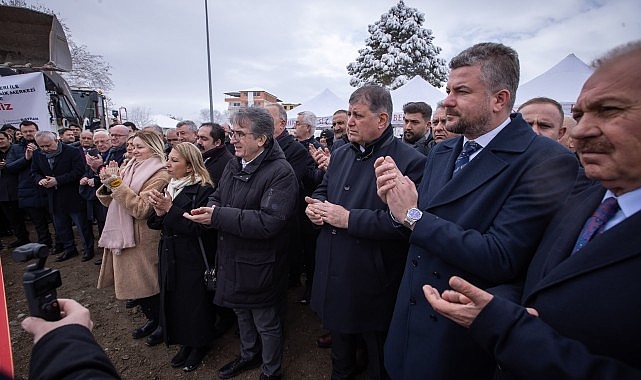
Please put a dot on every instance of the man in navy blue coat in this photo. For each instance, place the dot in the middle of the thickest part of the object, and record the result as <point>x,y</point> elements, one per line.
<point>57,168</point>
<point>360,250</point>
<point>477,214</point>
<point>582,316</point>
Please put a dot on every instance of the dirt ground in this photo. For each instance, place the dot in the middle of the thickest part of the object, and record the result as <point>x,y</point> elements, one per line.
<point>113,324</point>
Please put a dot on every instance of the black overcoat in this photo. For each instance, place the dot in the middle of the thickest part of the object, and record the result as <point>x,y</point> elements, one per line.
<point>187,313</point>
<point>358,269</point>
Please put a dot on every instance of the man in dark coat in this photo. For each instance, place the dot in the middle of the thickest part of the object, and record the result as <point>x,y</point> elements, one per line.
<point>303,235</point>
<point>578,315</point>
<point>31,197</point>
<point>211,142</point>
<point>360,251</point>
<point>58,167</point>
<point>479,214</point>
<point>210,139</point>
<point>416,130</point>
<point>9,195</point>
<point>255,199</point>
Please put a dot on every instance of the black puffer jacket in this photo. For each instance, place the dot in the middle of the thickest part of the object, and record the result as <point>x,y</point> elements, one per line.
<point>254,206</point>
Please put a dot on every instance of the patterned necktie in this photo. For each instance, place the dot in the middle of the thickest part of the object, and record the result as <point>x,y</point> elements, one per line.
<point>596,223</point>
<point>468,149</point>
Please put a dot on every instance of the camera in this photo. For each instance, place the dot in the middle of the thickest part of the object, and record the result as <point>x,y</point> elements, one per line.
<point>40,283</point>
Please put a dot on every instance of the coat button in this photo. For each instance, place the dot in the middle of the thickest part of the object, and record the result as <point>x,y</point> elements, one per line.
<point>436,275</point>
<point>414,263</point>
<point>412,301</point>
<point>333,231</point>
<point>346,188</point>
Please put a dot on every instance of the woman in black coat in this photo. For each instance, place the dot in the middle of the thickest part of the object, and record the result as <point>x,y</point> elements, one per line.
<point>187,314</point>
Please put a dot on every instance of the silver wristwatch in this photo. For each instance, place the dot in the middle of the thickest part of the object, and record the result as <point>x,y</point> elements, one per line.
<point>412,216</point>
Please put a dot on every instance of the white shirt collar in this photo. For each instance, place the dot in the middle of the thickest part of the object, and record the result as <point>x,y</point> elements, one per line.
<point>486,138</point>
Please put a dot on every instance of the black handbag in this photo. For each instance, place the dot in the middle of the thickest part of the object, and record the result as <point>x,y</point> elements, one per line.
<point>210,273</point>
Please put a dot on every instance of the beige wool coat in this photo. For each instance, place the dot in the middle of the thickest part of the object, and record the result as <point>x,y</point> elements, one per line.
<point>134,273</point>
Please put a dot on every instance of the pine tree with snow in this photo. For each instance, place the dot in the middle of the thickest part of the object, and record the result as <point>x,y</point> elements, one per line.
<point>398,49</point>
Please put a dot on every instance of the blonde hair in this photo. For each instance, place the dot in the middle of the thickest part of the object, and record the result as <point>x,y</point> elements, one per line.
<point>154,142</point>
<point>194,158</point>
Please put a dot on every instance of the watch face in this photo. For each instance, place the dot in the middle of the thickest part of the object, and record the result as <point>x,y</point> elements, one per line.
<point>414,213</point>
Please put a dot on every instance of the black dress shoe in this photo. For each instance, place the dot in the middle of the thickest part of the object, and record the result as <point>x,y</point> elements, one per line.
<point>181,357</point>
<point>67,255</point>
<point>145,329</point>
<point>98,262</point>
<point>155,338</point>
<point>268,377</point>
<point>18,243</point>
<point>324,341</point>
<point>195,357</point>
<point>238,366</point>
<point>87,257</point>
<point>131,304</point>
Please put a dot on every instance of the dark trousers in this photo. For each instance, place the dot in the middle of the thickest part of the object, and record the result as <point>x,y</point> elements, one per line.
<point>16,219</point>
<point>40,218</point>
<point>264,323</point>
<point>95,210</point>
<point>344,355</point>
<point>62,222</point>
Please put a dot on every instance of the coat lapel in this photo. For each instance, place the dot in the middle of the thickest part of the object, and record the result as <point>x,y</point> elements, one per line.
<point>490,162</point>
<point>620,242</point>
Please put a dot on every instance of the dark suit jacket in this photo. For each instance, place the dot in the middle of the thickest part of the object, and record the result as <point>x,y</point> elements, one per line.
<point>68,168</point>
<point>588,304</point>
<point>483,225</point>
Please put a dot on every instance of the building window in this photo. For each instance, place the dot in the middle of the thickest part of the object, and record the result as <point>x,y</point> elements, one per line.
<point>257,93</point>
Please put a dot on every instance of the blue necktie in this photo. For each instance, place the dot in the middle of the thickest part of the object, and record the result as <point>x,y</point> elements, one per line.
<point>596,223</point>
<point>468,149</point>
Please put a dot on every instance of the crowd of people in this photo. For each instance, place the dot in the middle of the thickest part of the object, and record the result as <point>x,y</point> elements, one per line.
<point>484,243</point>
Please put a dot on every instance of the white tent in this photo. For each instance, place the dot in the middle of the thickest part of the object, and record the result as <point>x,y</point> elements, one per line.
<point>562,83</point>
<point>322,105</point>
<point>164,121</point>
<point>416,89</point>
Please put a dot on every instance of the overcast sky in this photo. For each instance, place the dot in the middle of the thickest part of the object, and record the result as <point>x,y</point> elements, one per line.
<point>296,48</point>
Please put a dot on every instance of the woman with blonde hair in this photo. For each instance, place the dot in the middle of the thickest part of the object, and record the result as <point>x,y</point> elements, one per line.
<point>130,260</point>
<point>187,314</point>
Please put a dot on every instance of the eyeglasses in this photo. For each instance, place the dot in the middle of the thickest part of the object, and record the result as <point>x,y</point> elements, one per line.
<point>113,135</point>
<point>237,134</point>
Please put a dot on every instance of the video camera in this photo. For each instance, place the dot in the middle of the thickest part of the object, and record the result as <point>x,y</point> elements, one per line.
<point>40,283</point>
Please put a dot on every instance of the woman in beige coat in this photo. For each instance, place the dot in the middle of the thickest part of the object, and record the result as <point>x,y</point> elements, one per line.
<point>130,258</point>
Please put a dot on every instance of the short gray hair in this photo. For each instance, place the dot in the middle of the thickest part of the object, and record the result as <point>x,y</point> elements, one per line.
<point>281,110</point>
<point>155,127</point>
<point>500,68</point>
<point>46,134</point>
<point>616,53</point>
<point>258,120</point>
<point>308,118</point>
<point>378,97</point>
<point>190,124</point>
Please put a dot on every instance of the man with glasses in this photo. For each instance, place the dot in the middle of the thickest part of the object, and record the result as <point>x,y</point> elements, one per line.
<point>119,134</point>
<point>305,126</point>
<point>250,209</point>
